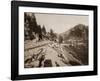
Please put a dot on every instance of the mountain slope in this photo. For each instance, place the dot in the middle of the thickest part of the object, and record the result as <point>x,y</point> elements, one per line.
<point>78,32</point>
<point>77,39</point>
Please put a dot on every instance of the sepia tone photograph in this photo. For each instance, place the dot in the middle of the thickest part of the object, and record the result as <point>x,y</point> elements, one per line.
<point>55,40</point>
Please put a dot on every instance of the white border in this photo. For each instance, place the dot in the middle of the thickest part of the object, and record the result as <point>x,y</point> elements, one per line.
<point>23,71</point>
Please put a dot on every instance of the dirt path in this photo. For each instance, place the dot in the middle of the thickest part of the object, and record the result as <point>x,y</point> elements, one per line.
<point>55,55</point>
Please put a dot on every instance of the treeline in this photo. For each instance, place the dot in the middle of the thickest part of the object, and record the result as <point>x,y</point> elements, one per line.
<point>32,30</point>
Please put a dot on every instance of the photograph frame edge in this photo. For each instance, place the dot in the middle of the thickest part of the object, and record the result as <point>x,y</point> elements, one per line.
<point>14,51</point>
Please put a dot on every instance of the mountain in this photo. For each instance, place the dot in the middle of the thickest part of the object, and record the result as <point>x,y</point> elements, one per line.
<point>78,32</point>
<point>77,40</point>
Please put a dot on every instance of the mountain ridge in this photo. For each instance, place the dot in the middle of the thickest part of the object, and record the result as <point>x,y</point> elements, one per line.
<point>78,32</point>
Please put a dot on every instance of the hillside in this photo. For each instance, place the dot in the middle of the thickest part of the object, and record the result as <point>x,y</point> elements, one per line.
<point>77,38</point>
<point>78,32</point>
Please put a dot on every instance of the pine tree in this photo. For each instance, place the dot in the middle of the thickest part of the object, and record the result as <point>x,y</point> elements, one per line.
<point>30,25</point>
<point>43,30</point>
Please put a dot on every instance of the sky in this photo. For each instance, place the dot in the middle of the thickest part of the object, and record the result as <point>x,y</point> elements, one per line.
<point>60,23</point>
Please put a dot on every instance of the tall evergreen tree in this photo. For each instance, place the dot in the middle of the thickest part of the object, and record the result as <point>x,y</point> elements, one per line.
<point>43,30</point>
<point>30,25</point>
